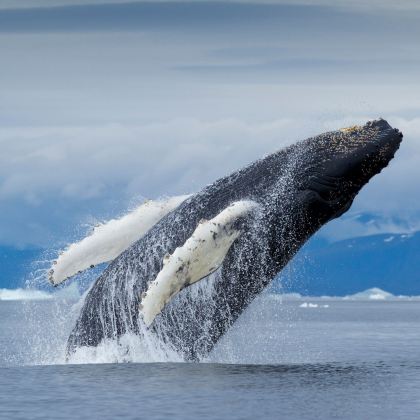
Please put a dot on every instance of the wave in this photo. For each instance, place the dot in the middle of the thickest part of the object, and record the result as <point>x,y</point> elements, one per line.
<point>71,292</point>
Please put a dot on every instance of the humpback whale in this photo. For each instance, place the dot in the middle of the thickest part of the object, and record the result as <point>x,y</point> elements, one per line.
<point>193,271</point>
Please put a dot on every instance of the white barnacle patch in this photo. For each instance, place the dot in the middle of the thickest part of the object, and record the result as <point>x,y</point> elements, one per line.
<point>351,129</point>
<point>110,239</point>
<point>200,256</point>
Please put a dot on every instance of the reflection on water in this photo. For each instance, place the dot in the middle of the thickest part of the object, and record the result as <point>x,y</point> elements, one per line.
<point>187,391</point>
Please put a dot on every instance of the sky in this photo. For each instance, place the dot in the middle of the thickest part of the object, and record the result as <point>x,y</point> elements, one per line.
<point>106,103</point>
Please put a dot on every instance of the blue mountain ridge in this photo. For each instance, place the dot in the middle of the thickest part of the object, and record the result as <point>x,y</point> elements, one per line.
<point>390,262</point>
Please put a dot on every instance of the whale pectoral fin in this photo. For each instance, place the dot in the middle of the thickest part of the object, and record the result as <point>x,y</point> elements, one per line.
<point>202,254</point>
<point>110,239</point>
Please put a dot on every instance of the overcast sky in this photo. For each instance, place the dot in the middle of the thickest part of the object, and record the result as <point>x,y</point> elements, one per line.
<point>103,103</point>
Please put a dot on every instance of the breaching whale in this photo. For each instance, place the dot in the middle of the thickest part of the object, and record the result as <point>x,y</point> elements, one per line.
<point>192,273</point>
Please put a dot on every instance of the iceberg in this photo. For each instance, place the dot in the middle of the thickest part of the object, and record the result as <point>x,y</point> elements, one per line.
<point>68,293</point>
<point>23,294</point>
<point>371,294</point>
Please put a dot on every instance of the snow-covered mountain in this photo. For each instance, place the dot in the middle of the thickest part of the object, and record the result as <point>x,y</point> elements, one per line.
<point>387,261</point>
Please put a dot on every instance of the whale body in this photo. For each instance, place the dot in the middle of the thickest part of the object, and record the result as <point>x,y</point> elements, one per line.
<point>192,274</point>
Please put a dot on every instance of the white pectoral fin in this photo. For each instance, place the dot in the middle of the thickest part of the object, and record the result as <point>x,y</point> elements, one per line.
<point>202,254</point>
<point>110,239</point>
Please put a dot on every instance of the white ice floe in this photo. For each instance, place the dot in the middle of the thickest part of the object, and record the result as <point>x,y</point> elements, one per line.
<point>23,294</point>
<point>308,305</point>
<point>312,305</point>
<point>110,239</point>
<point>200,256</point>
<point>68,293</point>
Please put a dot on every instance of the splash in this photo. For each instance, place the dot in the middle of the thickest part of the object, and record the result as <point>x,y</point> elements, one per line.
<point>129,348</point>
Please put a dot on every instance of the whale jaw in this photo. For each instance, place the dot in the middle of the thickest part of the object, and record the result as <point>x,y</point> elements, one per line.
<point>357,154</point>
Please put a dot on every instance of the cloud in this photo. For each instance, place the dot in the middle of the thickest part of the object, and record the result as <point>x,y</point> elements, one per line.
<point>150,16</point>
<point>402,5</point>
<point>78,171</point>
<point>80,161</point>
<point>274,17</point>
<point>104,104</point>
<point>59,177</point>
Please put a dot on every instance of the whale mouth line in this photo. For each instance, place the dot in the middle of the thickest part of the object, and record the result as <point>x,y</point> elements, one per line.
<point>325,182</point>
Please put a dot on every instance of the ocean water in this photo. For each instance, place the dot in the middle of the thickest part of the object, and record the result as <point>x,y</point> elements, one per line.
<point>294,359</point>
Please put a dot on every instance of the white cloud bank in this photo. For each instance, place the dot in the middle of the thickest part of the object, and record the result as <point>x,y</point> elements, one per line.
<point>43,167</point>
<point>93,121</point>
<point>150,159</point>
<point>354,4</point>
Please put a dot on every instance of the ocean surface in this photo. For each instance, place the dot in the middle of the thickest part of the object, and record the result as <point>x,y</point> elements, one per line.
<point>285,358</point>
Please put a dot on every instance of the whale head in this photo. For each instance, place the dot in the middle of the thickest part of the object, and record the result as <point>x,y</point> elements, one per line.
<point>342,162</point>
<point>306,185</point>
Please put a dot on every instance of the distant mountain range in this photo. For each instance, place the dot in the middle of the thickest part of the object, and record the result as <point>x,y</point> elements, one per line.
<point>388,261</point>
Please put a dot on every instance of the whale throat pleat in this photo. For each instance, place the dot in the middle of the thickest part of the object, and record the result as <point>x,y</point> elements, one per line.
<point>110,239</point>
<point>202,254</point>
